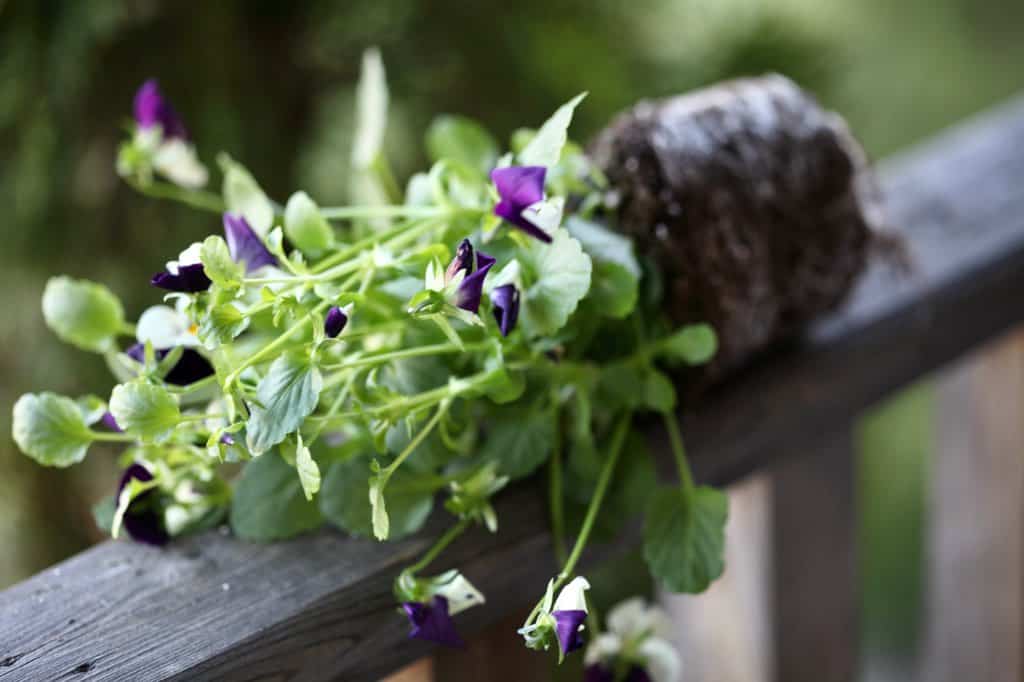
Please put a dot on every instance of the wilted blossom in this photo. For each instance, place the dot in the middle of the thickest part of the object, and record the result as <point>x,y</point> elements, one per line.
<point>335,322</point>
<point>185,274</point>
<point>505,302</point>
<point>564,621</point>
<point>432,622</point>
<point>522,202</point>
<point>635,641</point>
<point>142,520</point>
<point>472,272</point>
<point>245,245</point>
<point>161,133</point>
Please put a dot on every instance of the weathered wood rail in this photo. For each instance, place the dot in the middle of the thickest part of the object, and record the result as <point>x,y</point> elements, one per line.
<point>320,607</point>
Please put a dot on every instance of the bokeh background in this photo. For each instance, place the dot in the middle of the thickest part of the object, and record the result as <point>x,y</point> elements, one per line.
<point>272,83</point>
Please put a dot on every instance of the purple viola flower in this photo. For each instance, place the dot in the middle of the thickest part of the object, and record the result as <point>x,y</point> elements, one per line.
<point>335,322</point>
<point>185,274</point>
<point>108,421</point>
<point>505,300</point>
<point>143,520</point>
<point>471,288</point>
<point>432,622</point>
<point>244,244</point>
<point>600,673</point>
<point>568,629</point>
<point>191,366</point>
<point>151,109</point>
<point>520,187</point>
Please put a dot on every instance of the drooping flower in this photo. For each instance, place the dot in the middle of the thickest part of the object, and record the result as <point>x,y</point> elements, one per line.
<point>185,274</point>
<point>432,622</point>
<point>522,202</point>
<point>635,641</point>
<point>152,109</point>
<point>505,300</point>
<point>471,286</point>
<point>142,519</point>
<point>569,612</point>
<point>162,136</point>
<point>245,245</point>
<point>335,322</point>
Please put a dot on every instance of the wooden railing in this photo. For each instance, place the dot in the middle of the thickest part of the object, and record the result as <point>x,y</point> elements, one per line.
<point>320,607</point>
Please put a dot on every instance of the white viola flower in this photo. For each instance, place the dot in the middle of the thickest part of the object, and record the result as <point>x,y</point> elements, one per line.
<point>634,618</point>
<point>165,327</point>
<point>177,160</point>
<point>460,593</point>
<point>637,632</point>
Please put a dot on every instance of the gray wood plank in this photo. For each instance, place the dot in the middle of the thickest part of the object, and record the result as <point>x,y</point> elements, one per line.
<point>319,607</point>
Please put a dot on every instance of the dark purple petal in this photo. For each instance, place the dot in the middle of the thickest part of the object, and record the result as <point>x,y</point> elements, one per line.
<point>152,109</point>
<point>431,622</point>
<point>472,287</point>
<point>567,629</point>
<point>143,520</point>
<point>244,244</point>
<point>190,279</point>
<point>518,188</point>
<point>600,673</point>
<point>506,307</point>
<point>463,261</point>
<point>191,367</point>
<point>108,421</point>
<point>335,322</point>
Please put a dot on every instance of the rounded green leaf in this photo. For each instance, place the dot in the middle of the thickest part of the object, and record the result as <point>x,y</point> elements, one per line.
<point>559,277</point>
<point>694,344</point>
<point>83,313</point>
<point>684,537</point>
<point>218,265</point>
<point>287,395</point>
<point>145,410</point>
<point>304,225</point>
<point>345,499</point>
<point>269,503</point>
<point>463,140</point>
<point>50,429</point>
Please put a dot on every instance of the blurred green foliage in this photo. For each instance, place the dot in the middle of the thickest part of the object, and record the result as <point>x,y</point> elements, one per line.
<point>271,83</point>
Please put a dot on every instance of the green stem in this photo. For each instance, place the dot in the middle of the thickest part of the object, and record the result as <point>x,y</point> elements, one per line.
<point>436,349</point>
<point>391,237</point>
<point>439,546</point>
<point>349,212</point>
<point>112,437</point>
<point>679,451</point>
<point>618,438</point>
<point>270,347</point>
<point>415,442</point>
<point>194,386</point>
<point>196,198</point>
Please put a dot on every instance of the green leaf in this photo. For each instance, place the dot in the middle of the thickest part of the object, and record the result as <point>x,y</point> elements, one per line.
<point>222,324</point>
<point>82,313</point>
<point>242,194</point>
<point>614,290</point>
<point>269,503</point>
<point>345,499</point>
<point>218,265</point>
<point>694,344</point>
<point>103,513</point>
<point>371,111</point>
<point>91,407</point>
<point>145,410</point>
<point>604,245</point>
<point>50,429</point>
<point>546,146</point>
<point>309,472</point>
<point>518,440</point>
<point>659,393</point>
<point>559,278</point>
<point>379,518</point>
<point>288,394</point>
<point>304,225</point>
<point>461,139</point>
<point>684,538</point>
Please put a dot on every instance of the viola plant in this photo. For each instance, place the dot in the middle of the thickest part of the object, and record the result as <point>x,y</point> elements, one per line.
<point>363,362</point>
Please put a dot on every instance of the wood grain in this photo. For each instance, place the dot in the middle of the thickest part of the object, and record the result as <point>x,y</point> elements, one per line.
<point>320,608</point>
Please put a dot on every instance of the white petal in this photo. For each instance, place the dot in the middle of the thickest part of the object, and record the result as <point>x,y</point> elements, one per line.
<point>190,256</point>
<point>605,646</point>
<point>461,594</point>
<point>177,160</point>
<point>546,214</point>
<point>165,327</point>
<point>662,660</point>
<point>634,618</point>
<point>571,597</point>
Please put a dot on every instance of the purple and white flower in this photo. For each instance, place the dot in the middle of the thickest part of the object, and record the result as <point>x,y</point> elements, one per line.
<point>185,275</point>
<point>522,201</point>
<point>142,518</point>
<point>167,328</point>
<point>161,133</point>
<point>505,302</point>
<point>635,640</point>
<point>432,622</point>
<point>334,322</point>
<point>430,604</point>
<point>245,245</point>
<point>563,621</point>
<point>462,282</point>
